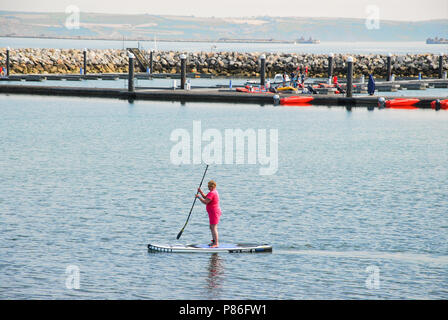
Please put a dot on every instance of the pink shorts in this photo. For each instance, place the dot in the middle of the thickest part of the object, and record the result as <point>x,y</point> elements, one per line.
<point>214,217</point>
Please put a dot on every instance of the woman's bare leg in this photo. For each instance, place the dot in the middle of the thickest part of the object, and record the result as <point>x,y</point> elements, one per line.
<point>214,230</point>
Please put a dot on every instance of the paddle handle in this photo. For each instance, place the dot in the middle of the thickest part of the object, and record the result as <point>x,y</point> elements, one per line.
<point>200,185</point>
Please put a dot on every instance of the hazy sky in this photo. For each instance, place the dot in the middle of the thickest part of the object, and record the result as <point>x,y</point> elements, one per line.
<point>387,9</point>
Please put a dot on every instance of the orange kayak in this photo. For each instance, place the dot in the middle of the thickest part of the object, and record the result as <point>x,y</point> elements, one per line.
<point>403,107</point>
<point>402,103</point>
<point>295,100</point>
<point>298,105</point>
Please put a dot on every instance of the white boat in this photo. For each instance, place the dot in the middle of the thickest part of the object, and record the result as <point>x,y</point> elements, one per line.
<point>205,248</point>
<point>279,78</point>
<point>310,40</point>
<point>436,41</point>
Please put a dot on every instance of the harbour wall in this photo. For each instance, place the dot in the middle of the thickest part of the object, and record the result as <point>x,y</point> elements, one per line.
<point>62,61</point>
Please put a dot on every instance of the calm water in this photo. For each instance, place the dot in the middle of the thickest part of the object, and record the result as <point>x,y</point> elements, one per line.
<point>322,48</point>
<point>89,183</point>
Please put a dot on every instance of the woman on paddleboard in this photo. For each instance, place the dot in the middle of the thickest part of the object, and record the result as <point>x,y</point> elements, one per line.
<point>211,201</point>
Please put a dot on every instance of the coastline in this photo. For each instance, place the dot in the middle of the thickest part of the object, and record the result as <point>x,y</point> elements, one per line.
<point>267,41</point>
<point>158,40</point>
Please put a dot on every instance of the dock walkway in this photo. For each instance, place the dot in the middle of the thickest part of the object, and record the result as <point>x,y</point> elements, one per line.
<point>196,95</point>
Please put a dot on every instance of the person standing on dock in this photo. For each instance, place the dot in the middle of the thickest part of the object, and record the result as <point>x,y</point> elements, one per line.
<point>211,201</point>
<point>285,76</point>
<point>335,80</point>
<point>292,79</point>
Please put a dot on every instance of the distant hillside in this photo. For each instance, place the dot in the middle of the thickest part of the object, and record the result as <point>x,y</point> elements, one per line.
<point>146,27</point>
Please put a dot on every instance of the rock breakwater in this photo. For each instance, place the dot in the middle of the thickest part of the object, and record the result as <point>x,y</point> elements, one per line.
<point>62,61</point>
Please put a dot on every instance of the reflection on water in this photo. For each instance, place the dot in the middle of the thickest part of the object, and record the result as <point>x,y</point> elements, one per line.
<point>215,277</point>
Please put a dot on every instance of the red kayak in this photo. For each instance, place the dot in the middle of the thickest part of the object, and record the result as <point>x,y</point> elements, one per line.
<point>298,105</point>
<point>325,85</point>
<point>402,103</point>
<point>242,90</point>
<point>252,89</point>
<point>295,100</point>
<point>443,104</point>
<point>403,107</point>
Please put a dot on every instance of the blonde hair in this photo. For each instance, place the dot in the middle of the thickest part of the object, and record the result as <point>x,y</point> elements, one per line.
<point>212,184</point>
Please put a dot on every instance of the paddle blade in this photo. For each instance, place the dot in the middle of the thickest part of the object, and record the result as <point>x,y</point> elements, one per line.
<point>179,234</point>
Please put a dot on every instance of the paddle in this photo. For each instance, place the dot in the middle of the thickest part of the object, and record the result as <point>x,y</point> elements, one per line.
<point>191,210</point>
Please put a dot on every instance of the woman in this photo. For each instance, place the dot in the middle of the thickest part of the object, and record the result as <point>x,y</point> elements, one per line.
<point>211,200</point>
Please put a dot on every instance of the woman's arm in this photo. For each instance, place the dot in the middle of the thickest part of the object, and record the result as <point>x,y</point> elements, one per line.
<point>203,200</point>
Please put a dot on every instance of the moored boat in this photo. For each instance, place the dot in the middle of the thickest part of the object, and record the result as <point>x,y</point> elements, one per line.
<point>402,103</point>
<point>296,100</point>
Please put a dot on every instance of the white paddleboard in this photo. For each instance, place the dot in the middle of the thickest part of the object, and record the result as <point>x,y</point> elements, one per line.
<point>204,248</point>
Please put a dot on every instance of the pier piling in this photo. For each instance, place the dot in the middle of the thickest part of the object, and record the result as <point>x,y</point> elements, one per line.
<point>330,65</point>
<point>441,66</point>
<point>84,70</point>
<point>389,67</point>
<point>349,92</point>
<point>7,61</point>
<point>131,72</point>
<point>183,70</point>
<point>151,61</point>
<point>262,70</point>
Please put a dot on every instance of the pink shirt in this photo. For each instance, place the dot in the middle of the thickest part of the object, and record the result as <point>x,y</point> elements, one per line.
<point>213,206</point>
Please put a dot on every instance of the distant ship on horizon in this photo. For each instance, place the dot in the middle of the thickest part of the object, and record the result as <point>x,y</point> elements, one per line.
<point>436,41</point>
<point>303,40</point>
